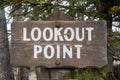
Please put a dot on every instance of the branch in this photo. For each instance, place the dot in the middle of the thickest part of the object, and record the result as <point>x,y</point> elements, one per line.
<point>116,58</point>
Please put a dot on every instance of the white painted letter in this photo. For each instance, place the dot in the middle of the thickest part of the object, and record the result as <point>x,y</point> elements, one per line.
<point>57,34</point>
<point>49,53</point>
<point>89,33</point>
<point>25,35</point>
<point>78,34</point>
<point>45,34</point>
<point>69,34</point>
<point>78,50</point>
<point>37,50</point>
<point>58,51</point>
<point>36,29</point>
<point>67,51</point>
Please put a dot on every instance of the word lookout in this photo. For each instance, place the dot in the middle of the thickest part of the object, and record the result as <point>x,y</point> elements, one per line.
<point>58,35</point>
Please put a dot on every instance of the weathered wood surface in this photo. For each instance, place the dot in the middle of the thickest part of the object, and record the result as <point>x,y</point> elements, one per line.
<point>93,53</point>
<point>22,72</point>
<point>52,74</point>
<point>59,15</point>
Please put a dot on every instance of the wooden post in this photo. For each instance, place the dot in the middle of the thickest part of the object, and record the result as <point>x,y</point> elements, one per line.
<point>52,74</point>
<point>42,73</point>
<point>93,51</point>
<point>23,73</point>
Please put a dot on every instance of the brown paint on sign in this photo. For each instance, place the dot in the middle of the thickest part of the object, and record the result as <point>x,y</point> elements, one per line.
<point>93,53</point>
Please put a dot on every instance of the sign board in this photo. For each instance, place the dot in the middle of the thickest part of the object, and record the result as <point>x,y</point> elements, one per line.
<point>59,44</point>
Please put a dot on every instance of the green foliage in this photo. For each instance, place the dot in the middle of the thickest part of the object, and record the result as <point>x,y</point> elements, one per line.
<point>114,9</point>
<point>93,9</point>
<point>88,74</point>
<point>3,3</point>
<point>115,43</point>
<point>40,9</point>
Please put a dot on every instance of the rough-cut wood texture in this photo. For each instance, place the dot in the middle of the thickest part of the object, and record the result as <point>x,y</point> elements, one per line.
<point>93,53</point>
<point>52,74</point>
<point>42,73</point>
<point>5,67</point>
<point>59,15</point>
<point>23,72</point>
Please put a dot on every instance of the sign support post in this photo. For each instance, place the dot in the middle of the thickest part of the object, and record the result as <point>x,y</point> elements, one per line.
<point>51,74</point>
<point>58,44</point>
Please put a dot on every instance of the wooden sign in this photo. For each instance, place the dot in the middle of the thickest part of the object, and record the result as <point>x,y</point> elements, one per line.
<point>59,44</point>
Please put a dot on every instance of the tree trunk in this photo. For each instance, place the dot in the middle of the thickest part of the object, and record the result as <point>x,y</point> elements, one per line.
<point>5,67</point>
<point>109,51</point>
<point>103,10</point>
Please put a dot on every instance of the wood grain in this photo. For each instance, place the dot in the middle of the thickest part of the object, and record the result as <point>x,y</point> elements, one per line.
<point>93,53</point>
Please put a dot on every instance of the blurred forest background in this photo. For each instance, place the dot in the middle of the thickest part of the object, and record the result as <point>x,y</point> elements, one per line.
<point>81,10</point>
